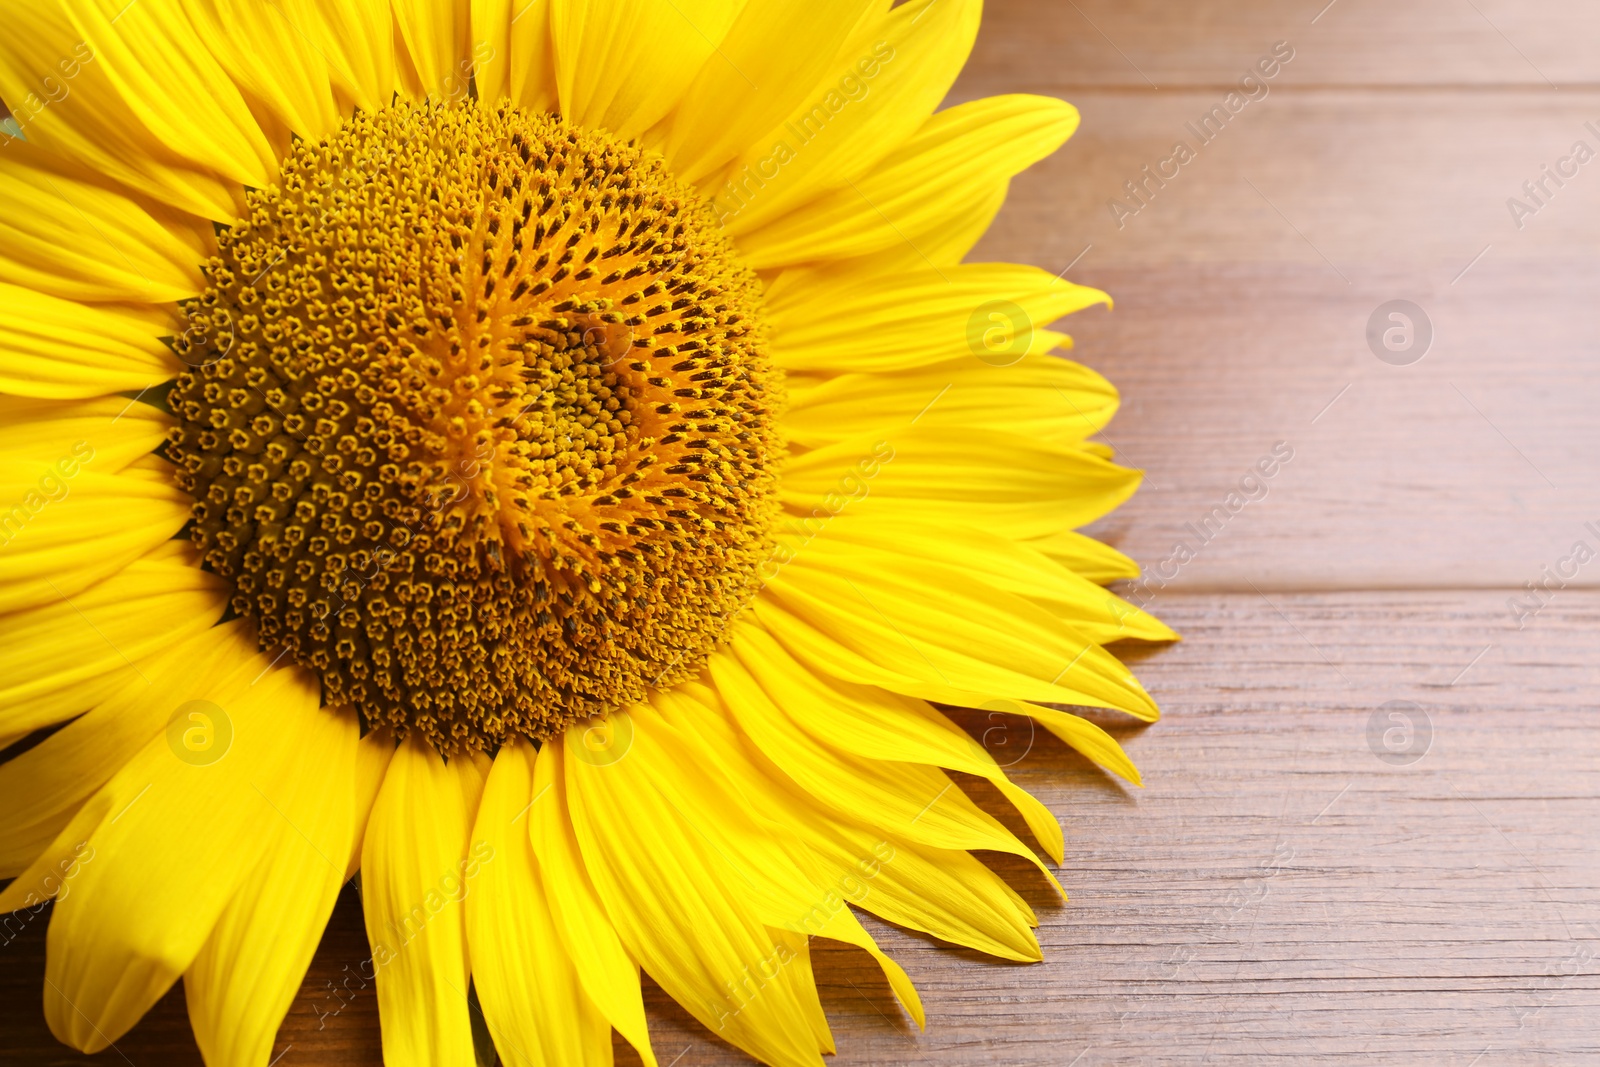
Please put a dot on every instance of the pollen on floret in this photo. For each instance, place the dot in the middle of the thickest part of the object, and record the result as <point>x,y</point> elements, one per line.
<point>479,421</point>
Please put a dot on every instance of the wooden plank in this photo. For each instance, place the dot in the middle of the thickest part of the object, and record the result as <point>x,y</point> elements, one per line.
<point>1155,44</point>
<point>1477,467</point>
<point>1278,891</point>
<point>1244,291</point>
<point>1356,182</point>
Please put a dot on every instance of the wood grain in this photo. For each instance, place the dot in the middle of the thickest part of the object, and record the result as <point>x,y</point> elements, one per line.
<point>1276,892</point>
<point>1154,44</point>
<point>1476,467</point>
<point>1285,889</point>
<point>1244,289</point>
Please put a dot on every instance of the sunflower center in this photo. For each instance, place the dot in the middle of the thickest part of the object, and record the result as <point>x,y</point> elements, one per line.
<point>479,421</point>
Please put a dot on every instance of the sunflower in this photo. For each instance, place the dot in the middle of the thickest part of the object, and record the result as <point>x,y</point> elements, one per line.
<point>551,458</point>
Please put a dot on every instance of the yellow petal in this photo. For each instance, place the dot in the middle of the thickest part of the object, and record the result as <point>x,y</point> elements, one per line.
<point>116,431</point>
<point>954,160</point>
<point>51,872</point>
<point>876,725</point>
<point>356,37</point>
<point>240,986</point>
<point>1095,561</point>
<point>1041,396</point>
<point>943,892</point>
<point>54,348</point>
<point>414,876</point>
<point>372,762</point>
<point>265,50</point>
<point>934,647</point>
<point>609,975</point>
<point>1013,485</point>
<point>680,906</point>
<point>906,800</point>
<point>622,66</point>
<point>948,894</point>
<point>1088,739</point>
<point>180,833</point>
<point>1012,567</point>
<point>65,656</point>
<point>533,1001</point>
<point>60,536</point>
<point>901,321</point>
<point>512,53</point>
<point>162,70</point>
<point>964,224</point>
<point>491,40</point>
<point>436,34</point>
<point>59,88</point>
<point>787,49</point>
<point>727,810</point>
<point>836,134</point>
<point>74,240</point>
<point>531,63</point>
<point>799,974</point>
<point>43,788</point>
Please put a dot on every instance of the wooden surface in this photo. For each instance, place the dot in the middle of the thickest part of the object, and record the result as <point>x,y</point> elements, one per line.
<point>1281,891</point>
